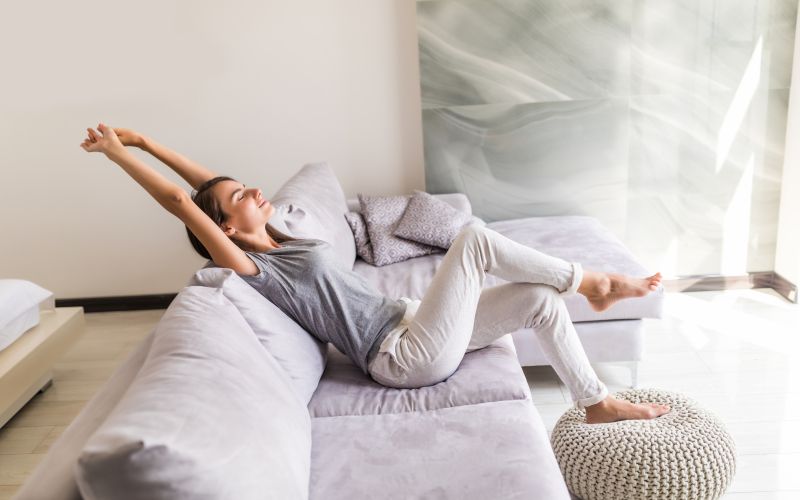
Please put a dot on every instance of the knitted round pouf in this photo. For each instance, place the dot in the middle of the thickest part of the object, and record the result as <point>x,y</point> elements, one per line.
<point>684,454</point>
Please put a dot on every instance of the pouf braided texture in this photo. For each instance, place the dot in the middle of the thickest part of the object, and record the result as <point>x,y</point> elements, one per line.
<point>683,454</point>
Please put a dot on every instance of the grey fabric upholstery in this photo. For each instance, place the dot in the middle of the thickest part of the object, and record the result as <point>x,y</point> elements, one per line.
<point>312,205</point>
<point>194,422</point>
<point>603,341</point>
<point>472,452</point>
<point>485,375</point>
<point>298,352</point>
<point>566,237</point>
<point>475,435</point>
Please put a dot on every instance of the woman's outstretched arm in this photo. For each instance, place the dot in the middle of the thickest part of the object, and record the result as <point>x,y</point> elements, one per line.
<point>191,171</point>
<point>169,195</point>
<point>164,191</point>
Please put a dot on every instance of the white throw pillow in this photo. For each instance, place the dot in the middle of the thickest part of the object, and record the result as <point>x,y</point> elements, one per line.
<point>20,302</point>
<point>209,415</point>
<point>299,353</point>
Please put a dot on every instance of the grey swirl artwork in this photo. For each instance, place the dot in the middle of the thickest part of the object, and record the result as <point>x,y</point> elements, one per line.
<point>664,119</point>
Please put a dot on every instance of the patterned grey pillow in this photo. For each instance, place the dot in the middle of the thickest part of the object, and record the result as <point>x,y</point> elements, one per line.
<point>363,246</point>
<point>381,215</point>
<point>431,221</point>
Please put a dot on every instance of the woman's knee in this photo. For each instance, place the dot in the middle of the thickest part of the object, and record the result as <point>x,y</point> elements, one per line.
<point>470,232</point>
<point>545,302</point>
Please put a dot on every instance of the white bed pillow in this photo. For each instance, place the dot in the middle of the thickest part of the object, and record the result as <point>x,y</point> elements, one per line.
<point>299,353</point>
<point>20,303</point>
<point>209,415</point>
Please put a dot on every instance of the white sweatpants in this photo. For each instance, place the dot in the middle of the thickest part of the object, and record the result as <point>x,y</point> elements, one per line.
<point>457,315</point>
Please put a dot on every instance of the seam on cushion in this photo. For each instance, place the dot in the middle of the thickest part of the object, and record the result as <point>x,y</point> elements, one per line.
<point>526,398</point>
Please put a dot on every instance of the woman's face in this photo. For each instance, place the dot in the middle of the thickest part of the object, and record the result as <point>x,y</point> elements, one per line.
<point>246,209</point>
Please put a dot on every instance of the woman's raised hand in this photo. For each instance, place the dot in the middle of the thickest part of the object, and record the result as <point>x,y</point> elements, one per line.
<point>129,137</point>
<point>106,141</point>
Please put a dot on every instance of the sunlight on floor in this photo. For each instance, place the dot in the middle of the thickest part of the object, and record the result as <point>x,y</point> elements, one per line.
<point>736,354</point>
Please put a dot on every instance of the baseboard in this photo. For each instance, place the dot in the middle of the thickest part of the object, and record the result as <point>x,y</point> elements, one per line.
<point>783,286</point>
<point>119,303</point>
<point>762,279</point>
<point>765,279</point>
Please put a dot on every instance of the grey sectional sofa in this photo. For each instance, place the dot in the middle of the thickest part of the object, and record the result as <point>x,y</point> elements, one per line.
<point>287,417</point>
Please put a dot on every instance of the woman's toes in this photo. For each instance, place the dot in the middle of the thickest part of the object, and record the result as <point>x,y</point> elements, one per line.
<point>658,409</point>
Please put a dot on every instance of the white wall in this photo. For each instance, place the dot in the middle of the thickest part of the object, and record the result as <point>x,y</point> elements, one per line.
<point>787,257</point>
<point>253,89</point>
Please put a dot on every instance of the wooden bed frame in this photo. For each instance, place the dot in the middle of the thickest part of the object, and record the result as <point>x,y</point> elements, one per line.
<point>26,365</point>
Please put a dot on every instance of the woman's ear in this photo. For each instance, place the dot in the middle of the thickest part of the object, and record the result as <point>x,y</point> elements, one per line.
<point>229,231</point>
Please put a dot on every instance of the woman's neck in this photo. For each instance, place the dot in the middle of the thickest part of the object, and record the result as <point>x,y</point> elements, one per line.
<point>262,243</point>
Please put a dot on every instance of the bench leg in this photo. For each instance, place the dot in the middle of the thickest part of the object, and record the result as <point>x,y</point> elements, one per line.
<point>45,386</point>
<point>634,374</point>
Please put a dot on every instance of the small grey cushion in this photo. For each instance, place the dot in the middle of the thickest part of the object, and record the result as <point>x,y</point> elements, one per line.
<point>381,215</point>
<point>431,221</point>
<point>359,228</point>
<point>209,415</point>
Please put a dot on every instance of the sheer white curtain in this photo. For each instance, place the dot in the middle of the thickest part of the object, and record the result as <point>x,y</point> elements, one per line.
<point>787,257</point>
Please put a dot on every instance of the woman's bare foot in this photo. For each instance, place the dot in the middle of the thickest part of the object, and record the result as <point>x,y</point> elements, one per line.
<point>613,410</point>
<point>604,289</point>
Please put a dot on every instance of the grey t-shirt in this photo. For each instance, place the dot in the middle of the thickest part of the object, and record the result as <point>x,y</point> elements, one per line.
<point>304,279</point>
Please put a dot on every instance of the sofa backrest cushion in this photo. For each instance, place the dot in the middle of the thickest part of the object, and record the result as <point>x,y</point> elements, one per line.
<point>209,415</point>
<point>313,206</point>
<point>300,354</point>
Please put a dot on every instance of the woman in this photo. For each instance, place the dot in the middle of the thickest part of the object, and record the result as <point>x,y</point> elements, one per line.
<point>400,343</point>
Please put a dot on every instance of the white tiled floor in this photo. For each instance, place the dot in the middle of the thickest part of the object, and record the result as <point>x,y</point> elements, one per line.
<point>736,353</point>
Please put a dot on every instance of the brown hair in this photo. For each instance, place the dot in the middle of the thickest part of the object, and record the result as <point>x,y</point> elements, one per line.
<point>204,198</point>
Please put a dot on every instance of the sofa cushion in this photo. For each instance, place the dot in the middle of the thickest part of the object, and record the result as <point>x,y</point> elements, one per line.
<point>382,214</point>
<point>409,278</point>
<point>603,341</point>
<point>585,240</point>
<point>573,238</point>
<point>209,415</point>
<point>430,220</point>
<point>298,352</point>
<point>314,207</point>
<point>359,228</point>
<point>488,374</point>
<point>456,200</point>
<point>473,452</point>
